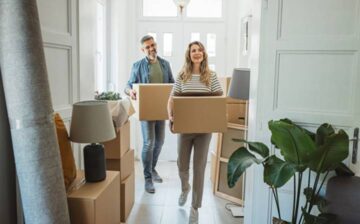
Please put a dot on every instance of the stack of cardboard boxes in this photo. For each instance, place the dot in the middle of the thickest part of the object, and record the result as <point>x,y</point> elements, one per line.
<point>236,115</point>
<point>236,111</point>
<point>120,157</point>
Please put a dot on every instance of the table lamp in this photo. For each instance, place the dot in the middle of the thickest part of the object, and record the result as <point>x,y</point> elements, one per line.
<point>91,123</point>
<point>240,84</point>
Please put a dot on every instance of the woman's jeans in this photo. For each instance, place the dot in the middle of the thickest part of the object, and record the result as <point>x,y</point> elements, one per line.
<point>153,133</point>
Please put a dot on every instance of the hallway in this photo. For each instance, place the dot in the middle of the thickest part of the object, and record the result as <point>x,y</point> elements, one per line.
<point>162,207</point>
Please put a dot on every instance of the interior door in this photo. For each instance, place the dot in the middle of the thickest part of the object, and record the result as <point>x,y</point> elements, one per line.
<point>309,73</point>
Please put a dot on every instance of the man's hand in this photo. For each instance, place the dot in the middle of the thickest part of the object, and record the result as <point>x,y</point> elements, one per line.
<point>132,94</point>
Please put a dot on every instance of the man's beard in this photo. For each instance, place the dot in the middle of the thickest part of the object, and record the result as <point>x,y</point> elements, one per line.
<point>152,55</point>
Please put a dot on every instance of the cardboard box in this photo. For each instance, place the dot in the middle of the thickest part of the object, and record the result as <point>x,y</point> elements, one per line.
<point>228,146</point>
<point>236,112</point>
<point>116,148</point>
<point>237,191</point>
<point>151,102</point>
<point>96,203</point>
<point>225,84</point>
<point>127,196</point>
<point>199,114</point>
<point>125,164</point>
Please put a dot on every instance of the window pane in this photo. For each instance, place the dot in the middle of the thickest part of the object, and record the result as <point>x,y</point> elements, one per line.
<point>159,8</point>
<point>204,8</point>
<point>212,67</point>
<point>168,44</point>
<point>211,44</point>
<point>153,35</point>
<point>195,37</point>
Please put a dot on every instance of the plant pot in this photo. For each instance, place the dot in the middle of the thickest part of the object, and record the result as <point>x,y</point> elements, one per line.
<point>279,221</point>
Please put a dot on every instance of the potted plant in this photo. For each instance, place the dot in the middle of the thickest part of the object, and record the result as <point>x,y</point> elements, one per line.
<point>302,151</point>
<point>107,96</point>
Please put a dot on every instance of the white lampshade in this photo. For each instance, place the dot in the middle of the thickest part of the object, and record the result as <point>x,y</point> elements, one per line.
<point>91,122</point>
<point>240,84</point>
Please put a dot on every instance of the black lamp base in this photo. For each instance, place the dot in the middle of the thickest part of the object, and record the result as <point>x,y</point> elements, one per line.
<point>95,164</point>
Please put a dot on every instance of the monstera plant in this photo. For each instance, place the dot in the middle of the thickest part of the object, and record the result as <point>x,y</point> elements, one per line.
<point>301,151</point>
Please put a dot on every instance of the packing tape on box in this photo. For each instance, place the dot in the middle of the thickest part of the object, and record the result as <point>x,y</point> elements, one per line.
<point>26,122</point>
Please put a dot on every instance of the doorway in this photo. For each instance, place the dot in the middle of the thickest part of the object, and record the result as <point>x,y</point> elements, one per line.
<point>173,32</point>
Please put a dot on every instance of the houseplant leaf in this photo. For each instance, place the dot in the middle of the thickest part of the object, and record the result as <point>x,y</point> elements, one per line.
<point>294,143</point>
<point>258,147</point>
<point>311,134</point>
<point>324,131</point>
<point>239,161</point>
<point>277,172</point>
<point>332,152</point>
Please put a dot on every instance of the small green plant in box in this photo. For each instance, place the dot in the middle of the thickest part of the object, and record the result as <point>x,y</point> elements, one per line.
<point>107,96</point>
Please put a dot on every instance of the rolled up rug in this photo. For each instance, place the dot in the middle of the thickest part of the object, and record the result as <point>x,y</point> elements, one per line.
<point>30,112</point>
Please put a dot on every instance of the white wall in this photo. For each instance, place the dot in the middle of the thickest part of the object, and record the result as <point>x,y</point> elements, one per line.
<point>87,35</point>
<point>69,44</point>
<point>252,61</point>
<point>232,35</point>
<point>125,20</point>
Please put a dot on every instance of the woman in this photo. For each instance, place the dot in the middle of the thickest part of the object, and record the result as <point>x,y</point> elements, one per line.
<point>195,78</point>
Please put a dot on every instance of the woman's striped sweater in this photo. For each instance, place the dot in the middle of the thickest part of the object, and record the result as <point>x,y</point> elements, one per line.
<point>194,85</point>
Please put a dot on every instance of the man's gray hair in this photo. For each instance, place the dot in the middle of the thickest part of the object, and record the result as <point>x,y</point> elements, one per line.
<point>146,38</point>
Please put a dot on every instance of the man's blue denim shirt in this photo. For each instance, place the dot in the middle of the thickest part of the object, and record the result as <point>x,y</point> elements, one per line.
<point>140,72</point>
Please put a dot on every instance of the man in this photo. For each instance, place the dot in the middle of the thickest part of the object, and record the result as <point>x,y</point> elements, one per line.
<point>151,69</point>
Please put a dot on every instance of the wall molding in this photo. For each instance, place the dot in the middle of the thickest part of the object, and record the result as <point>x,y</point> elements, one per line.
<point>280,53</point>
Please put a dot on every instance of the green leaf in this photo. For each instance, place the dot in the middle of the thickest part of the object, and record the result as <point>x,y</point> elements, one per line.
<point>333,151</point>
<point>343,170</point>
<point>277,172</point>
<point>324,131</point>
<point>239,161</point>
<point>311,134</point>
<point>294,143</point>
<point>258,147</point>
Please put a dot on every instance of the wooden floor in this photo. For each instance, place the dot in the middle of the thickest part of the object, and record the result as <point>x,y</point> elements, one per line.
<point>162,207</point>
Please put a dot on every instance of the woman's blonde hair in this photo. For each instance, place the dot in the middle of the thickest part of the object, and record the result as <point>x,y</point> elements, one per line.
<point>186,71</point>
